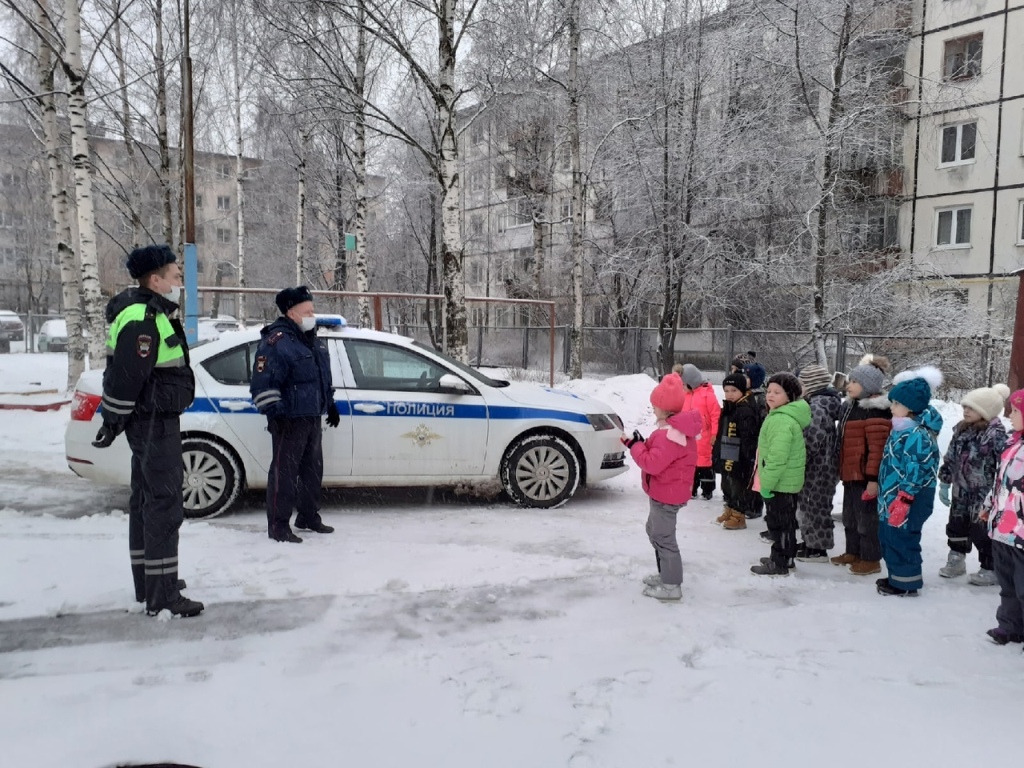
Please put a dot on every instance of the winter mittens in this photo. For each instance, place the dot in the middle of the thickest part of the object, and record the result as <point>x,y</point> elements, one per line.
<point>1008,522</point>
<point>899,509</point>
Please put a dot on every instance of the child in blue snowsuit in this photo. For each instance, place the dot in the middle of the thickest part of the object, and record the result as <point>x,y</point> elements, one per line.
<point>907,479</point>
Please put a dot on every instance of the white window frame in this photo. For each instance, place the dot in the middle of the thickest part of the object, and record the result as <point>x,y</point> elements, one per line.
<point>969,69</point>
<point>952,244</point>
<point>224,235</point>
<point>1020,222</point>
<point>223,202</point>
<point>959,127</point>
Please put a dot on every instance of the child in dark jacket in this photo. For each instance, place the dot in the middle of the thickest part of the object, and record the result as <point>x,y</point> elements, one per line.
<point>966,477</point>
<point>814,511</point>
<point>735,451</point>
<point>1003,511</point>
<point>864,424</point>
<point>907,479</point>
<point>668,460</point>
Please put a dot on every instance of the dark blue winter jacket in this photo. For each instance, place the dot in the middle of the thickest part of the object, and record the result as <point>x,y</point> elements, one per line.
<point>291,376</point>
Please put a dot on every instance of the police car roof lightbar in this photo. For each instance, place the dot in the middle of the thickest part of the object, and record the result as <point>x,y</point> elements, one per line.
<point>330,321</point>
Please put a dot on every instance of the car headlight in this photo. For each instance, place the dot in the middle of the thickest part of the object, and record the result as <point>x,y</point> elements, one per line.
<point>603,421</point>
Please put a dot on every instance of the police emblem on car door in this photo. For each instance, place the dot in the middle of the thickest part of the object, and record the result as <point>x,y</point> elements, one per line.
<point>402,421</point>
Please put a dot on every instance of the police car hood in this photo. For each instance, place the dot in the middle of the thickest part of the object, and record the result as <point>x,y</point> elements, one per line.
<point>557,399</point>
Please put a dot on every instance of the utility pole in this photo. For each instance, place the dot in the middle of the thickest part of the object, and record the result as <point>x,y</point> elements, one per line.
<point>191,256</point>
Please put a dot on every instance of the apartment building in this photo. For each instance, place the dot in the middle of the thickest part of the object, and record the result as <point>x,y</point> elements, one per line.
<point>964,149</point>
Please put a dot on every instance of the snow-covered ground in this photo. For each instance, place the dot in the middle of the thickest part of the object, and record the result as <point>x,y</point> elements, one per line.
<point>432,630</point>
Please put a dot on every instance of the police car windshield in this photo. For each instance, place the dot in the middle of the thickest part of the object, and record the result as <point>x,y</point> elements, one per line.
<point>471,372</point>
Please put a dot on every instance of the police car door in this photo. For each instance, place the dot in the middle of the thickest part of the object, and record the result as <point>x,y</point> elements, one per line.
<point>402,424</point>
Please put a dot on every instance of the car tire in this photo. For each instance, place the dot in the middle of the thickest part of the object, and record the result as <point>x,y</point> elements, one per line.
<point>540,471</point>
<point>213,478</point>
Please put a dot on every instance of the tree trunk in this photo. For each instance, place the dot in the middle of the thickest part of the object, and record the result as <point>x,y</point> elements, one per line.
<point>94,309</point>
<point>300,214</point>
<point>239,170</point>
<point>71,293</point>
<point>359,161</point>
<point>576,238</point>
<point>134,201</point>
<point>453,279</point>
<point>830,169</point>
<point>161,124</point>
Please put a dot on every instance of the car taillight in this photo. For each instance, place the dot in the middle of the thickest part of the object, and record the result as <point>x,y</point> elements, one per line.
<point>84,405</point>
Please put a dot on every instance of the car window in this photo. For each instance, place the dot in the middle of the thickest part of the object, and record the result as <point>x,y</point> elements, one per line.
<point>233,366</point>
<point>383,366</point>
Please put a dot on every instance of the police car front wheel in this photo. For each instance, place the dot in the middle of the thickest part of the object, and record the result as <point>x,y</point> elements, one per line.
<point>213,478</point>
<point>540,471</point>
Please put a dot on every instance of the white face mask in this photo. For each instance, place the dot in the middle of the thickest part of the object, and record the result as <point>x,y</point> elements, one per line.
<point>173,295</point>
<point>308,323</point>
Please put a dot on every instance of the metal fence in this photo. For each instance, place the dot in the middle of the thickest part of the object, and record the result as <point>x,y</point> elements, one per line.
<point>525,342</point>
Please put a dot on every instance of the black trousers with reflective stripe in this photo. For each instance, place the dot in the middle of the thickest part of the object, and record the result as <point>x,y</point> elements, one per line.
<point>296,472</point>
<point>155,510</point>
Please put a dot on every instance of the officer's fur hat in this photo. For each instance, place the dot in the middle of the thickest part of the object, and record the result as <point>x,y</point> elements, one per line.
<point>289,297</point>
<point>148,259</point>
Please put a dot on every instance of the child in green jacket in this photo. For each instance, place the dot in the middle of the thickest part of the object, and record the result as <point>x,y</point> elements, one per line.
<point>781,457</point>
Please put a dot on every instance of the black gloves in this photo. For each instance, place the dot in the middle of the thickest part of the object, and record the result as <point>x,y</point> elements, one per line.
<point>105,437</point>
<point>629,441</point>
<point>333,417</point>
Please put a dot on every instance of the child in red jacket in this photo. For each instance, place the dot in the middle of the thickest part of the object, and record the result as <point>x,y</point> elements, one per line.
<point>668,459</point>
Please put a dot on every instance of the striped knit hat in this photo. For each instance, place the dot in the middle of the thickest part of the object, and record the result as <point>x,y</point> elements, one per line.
<point>813,378</point>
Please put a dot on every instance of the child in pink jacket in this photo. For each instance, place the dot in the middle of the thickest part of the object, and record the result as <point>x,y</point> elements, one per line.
<point>668,460</point>
<point>700,397</point>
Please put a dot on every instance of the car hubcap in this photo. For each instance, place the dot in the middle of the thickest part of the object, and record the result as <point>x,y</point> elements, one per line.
<point>542,473</point>
<point>205,479</point>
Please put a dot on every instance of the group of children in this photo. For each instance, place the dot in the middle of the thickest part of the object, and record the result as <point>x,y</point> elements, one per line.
<point>786,447</point>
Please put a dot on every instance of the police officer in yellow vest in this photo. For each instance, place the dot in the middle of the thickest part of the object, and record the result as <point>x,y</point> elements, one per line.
<point>146,385</point>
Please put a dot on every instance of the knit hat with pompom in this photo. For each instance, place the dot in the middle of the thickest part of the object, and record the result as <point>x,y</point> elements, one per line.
<point>914,389</point>
<point>669,395</point>
<point>987,402</point>
<point>870,374</point>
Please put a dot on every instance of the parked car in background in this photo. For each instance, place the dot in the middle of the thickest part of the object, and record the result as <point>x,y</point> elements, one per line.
<point>410,417</point>
<point>53,336</point>
<point>11,325</point>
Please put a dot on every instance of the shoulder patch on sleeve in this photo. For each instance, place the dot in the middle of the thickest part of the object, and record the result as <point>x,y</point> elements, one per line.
<point>144,345</point>
<point>261,363</point>
<point>275,337</point>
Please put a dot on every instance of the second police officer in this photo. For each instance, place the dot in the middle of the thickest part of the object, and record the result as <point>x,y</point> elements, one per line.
<point>291,385</point>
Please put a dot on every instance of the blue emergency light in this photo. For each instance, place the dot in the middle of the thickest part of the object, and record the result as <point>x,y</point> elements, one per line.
<point>335,322</point>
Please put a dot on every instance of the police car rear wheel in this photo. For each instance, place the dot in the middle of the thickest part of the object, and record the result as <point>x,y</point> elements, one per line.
<point>212,480</point>
<point>540,471</point>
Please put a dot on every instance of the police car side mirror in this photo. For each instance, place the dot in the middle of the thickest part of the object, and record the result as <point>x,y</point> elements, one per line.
<point>452,383</point>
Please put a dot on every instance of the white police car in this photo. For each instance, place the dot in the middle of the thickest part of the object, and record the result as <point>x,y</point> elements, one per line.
<point>410,417</point>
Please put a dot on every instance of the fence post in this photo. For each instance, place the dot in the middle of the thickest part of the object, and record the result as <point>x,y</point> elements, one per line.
<point>637,351</point>
<point>840,362</point>
<point>526,346</point>
<point>729,347</point>
<point>480,345</point>
<point>378,315</point>
<point>565,349</point>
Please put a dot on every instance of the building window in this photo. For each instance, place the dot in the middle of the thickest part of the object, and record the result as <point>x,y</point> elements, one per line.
<point>476,225</point>
<point>223,235</point>
<point>476,181</point>
<point>519,212</point>
<point>958,143</point>
<point>223,202</point>
<point>223,170</point>
<point>8,256</point>
<point>199,201</point>
<point>566,208</point>
<point>565,158</point>
<point>962,58</point>
<point>953,227</point>
<point>477,134</point>
<point>1020,224</point>
<point>9,180</point>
